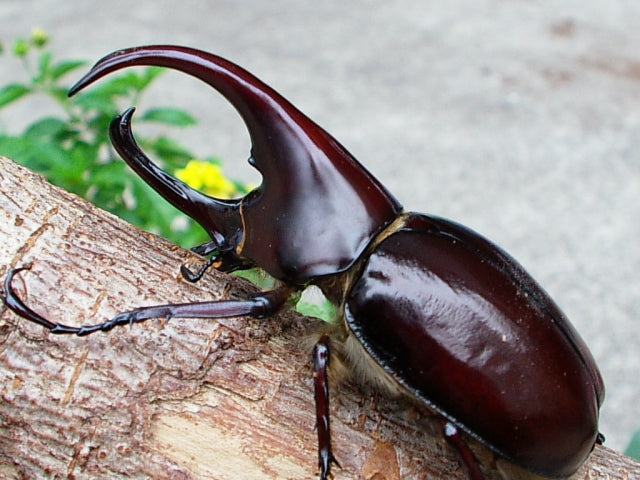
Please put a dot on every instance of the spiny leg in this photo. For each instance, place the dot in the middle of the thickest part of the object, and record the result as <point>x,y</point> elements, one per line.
<point>321,356</point>
<point>468,458</point>
<point>13,302</point>
<point>192,277</point>
<point>205,249</point>
<point>224,260</point>
<point>260,305</point>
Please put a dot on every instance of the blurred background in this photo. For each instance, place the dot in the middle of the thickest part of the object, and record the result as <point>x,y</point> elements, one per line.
<point>520,120</point>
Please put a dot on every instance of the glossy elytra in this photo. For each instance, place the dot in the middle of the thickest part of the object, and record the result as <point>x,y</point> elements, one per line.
<point>434,309</point>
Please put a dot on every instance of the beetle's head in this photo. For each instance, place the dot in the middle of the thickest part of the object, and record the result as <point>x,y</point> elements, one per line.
<point>317,207</point>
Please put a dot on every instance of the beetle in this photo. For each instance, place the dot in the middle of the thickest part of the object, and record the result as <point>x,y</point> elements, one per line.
<point>428,307</point>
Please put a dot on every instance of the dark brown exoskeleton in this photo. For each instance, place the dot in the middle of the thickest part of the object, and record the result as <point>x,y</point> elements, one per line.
<point>440,312</point>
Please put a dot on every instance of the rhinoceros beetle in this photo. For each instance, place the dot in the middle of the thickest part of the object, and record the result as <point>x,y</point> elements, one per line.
<point>429,306</point>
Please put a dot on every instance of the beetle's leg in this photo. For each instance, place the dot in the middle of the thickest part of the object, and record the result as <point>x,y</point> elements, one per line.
<point>14,303</point>
<point>206,248</point>
<point>468,458</point>
<point>194,277</point>
<point>260,305</point>
<point>229,264</point>
<point>321,392</point>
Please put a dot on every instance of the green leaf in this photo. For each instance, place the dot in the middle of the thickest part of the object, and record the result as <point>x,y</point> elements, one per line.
<point>46,127</point>
<point>11,146</point>
<point>12,92</point>
<point>633,449</point>
<point>128,83</point>
<point>324,311</point>
<point>58,93</point>
<point>169,116</point>
<point>148,76</point>
<point>44,64</point>
<point>106,93</point>
<point>62,68</point>
<point>97,101</point>
<point>73,151</point>
<point>40,156</point>
<point>170,150</point>
<point>258,277</point>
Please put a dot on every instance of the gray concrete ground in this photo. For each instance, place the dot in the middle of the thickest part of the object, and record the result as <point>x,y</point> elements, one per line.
<point>519,119</point>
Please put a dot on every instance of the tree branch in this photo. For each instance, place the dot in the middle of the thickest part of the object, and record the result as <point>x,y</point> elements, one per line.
<point>184,399</point>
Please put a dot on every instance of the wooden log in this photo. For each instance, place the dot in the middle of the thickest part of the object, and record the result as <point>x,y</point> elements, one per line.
<point>183,399</point>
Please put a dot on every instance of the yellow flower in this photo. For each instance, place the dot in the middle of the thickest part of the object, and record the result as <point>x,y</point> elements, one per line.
<point>207,178</point>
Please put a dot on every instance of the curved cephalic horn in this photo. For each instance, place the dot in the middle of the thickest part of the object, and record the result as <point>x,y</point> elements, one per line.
<point>221,218</point>
<point>317,207</point>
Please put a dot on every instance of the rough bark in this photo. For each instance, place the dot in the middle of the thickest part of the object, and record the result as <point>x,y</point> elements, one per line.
<point>184,399</point>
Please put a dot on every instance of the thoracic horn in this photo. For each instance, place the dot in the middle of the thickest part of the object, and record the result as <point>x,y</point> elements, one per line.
<point>310,181</point>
